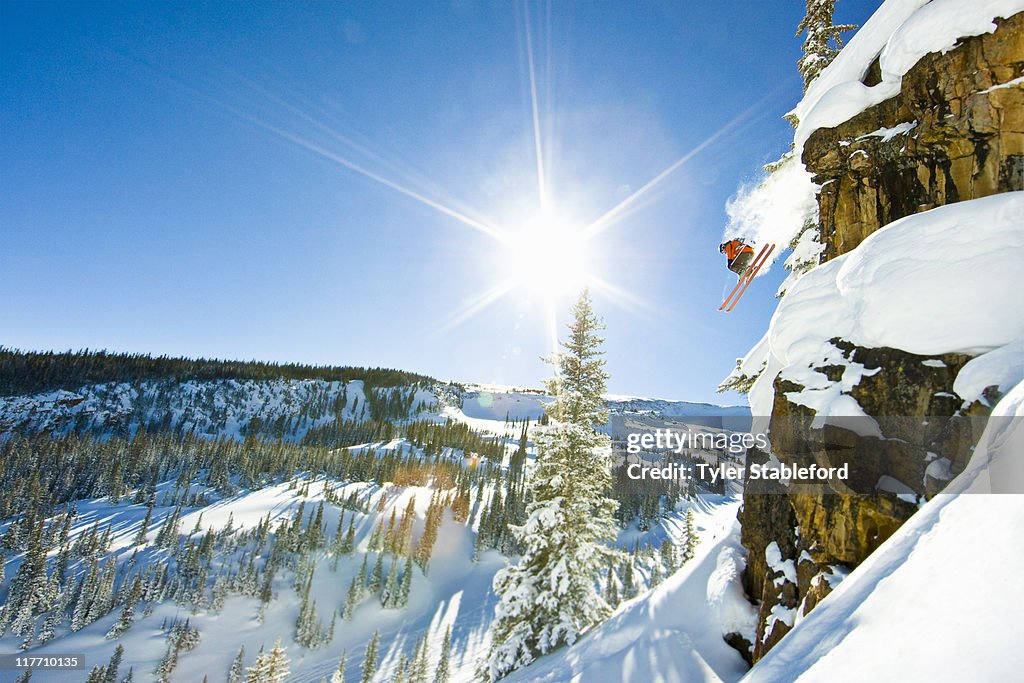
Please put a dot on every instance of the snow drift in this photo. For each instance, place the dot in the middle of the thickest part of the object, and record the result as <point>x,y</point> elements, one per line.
<point>941,281</point>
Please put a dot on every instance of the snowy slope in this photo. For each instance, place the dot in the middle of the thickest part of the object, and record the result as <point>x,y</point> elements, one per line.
<point>940,600</point>
<point>221,408</point>
<point>456,592</point>
<point>675,632</point>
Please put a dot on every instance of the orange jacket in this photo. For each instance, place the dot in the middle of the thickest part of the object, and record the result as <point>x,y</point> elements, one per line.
<point>734,248</point>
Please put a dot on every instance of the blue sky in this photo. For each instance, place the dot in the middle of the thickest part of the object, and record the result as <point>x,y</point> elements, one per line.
<point>177,178</point>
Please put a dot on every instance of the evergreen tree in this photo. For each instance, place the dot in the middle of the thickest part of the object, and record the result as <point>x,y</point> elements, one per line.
<point>277,665</point>
<point>269,667</point>
<point>551,595</point>
<point>389,596</point>
<point>110,673</point>
<point>824,39</point>
<point>235,673</point>
<point>339,673</point>
<point>420,664</point>
<point>668,555</point>
<point>611,589</point>
<point>355,590</point>
<point>377,575</point>
<point>128,611</point>
<point>691,537</point>
<point>442,674</point>
<point>370,658</point>
<point>406,586</point>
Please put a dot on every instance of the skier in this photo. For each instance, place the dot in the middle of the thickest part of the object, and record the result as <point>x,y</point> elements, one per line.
<point>742,262</point>
<point>739,253</point>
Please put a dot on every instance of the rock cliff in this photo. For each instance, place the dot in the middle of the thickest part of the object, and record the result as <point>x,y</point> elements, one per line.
<point>955,132</point>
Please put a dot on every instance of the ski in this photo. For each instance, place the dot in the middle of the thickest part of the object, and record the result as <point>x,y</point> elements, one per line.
<point>743,278</point>
<point>756,266</point>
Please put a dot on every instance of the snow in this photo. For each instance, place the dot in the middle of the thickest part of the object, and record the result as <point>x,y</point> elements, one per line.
<point>927,284</point>
<point>899,33</point>
<point>1002,367</point>
<point>674,632</point>
<point>496,404</point>
<point>773,556</point>
<point>456,593</point>
<point>787,615</point>
<point>887,134</point>
<point>939,600</point>
<point>773,209</point>
<point>726,598</point>
<point>893,485</point>
<point>1009,84</point>
<point>940,469</point>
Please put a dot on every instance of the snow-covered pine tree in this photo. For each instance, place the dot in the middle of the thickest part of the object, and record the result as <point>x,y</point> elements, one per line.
<point>629,588</point>
<point>377,575</point>
<point>551,594</point>
<point>691,538</point>
<point>110,672</point>
<point>611,589</point>
<point>269,667</point>
<point>443,674</point>
<point>339,673</point>
<point>389,595</point>
<point>355,593</point>
<point>405,587</point>
<point>277,665</point>
<point>370,658</point>
<point>237,666</point>
<point>824,39</point>
<point>420,664</point>
<point>124,622</point>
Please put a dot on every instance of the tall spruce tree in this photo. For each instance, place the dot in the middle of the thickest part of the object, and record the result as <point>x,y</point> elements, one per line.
<point>824,39</point>
<point>551,595</point>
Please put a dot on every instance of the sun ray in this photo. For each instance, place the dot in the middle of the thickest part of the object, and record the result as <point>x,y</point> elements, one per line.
<point>485,228</point>
<point>394,167</point>
<point>624,299</point>
<point>538,147</point>
<point>488,230</point>
<point>614,214</point>
<point>476,305</point>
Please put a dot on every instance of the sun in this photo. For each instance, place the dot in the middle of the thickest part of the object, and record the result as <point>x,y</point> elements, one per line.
<point>548,256</point>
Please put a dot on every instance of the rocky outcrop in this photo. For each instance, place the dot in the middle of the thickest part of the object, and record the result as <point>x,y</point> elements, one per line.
<point>952,134</point>
<point>955,132</point>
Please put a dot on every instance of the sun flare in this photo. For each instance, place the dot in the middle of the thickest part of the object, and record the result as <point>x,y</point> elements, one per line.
<point>549,257</point>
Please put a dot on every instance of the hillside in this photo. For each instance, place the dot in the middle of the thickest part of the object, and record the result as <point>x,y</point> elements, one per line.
<point>230,512</point>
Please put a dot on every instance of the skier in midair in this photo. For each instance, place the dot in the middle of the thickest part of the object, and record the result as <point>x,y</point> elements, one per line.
<point>739,253</point>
